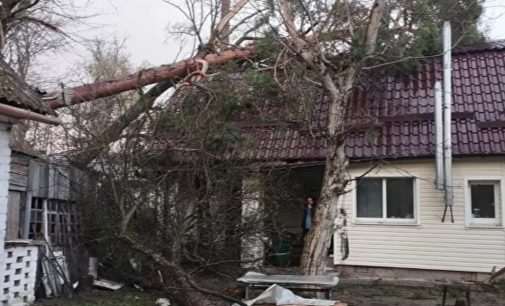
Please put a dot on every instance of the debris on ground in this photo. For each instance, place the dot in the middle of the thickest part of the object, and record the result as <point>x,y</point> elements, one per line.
<point>107,284</point>
<point>163,302</point>
<point>278,295</point>
<point>321,283</point>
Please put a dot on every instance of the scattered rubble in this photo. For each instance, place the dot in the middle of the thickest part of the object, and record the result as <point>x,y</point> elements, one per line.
<point>107,284</point>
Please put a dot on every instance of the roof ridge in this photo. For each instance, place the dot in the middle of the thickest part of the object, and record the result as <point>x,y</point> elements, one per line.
<point>491,45</point>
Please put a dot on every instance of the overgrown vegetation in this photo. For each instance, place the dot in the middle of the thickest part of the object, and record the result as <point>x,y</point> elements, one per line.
<point>170,177</point>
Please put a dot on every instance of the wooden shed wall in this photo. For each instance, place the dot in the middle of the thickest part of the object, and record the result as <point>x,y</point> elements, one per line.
<point>19,166</point>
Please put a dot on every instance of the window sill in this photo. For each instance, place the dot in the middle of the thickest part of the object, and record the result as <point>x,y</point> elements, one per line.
<point>386,223</point>
<point>483,226</point>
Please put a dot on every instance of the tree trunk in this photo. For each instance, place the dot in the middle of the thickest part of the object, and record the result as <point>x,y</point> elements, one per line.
<point>225,10</point>
<point>318,240</point>
<point>338,91</point>
<point>172,72</point>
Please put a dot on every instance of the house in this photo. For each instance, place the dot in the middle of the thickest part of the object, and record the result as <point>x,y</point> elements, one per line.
<point>394,210</point>
<point>18,260</point>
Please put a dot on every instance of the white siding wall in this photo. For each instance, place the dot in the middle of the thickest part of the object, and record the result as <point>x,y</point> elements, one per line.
<point>430,244</point>
<point>5,156</point>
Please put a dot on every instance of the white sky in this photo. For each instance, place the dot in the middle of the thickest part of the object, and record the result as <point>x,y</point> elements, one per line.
<point>143,23</point>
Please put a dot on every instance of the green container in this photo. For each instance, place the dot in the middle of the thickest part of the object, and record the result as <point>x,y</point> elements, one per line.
<point>281,255</point>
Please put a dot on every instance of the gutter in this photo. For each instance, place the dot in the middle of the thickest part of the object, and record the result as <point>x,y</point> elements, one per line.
<point>443,125</point>
<point>23,114</point>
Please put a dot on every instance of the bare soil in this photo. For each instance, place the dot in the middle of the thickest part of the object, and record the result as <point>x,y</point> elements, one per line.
<point>353,295</point>
<point>123,297</point>
<point>410,296</point>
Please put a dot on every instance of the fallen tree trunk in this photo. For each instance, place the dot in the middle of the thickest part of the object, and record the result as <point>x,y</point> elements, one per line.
<point>185,290</point>
<point>174,72</point>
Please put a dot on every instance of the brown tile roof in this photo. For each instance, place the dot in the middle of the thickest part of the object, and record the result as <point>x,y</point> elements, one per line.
<point>15,92</point>
<point>397,111</point>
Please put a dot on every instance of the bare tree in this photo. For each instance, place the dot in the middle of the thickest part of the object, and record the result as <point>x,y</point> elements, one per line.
<point>338,85</point>
<point>166,77</point>
<point>32,28</point>
<point>342,42</point>
<point>28,30</point>
<point>170,198</point>
<point>332,43</point>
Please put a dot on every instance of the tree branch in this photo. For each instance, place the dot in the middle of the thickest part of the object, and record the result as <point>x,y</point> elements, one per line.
<point>374,25</point>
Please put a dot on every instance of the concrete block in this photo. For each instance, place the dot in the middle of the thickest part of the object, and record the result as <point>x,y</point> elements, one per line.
<point>20,277</point>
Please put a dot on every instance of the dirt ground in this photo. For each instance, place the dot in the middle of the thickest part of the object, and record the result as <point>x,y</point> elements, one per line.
<point>123,297</point>
<point>409,296</point>
<point>371,295</point>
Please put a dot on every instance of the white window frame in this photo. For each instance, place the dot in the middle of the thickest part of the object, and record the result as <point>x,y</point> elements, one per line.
<point>384,219</point>
<point>499,192</point>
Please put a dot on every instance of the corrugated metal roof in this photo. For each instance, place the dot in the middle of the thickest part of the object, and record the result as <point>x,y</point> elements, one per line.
<point>392,116</point>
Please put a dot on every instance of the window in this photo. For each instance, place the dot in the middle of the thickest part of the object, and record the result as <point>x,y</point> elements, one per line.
<point>483,202</point>
<point>63,222</point>
<point>385,199</point>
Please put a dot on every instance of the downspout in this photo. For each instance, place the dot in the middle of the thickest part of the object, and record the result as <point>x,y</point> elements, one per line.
<point>447,120</point>
<point>439,138</point>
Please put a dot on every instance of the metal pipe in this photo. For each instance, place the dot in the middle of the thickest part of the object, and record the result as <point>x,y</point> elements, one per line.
<point>439,137</point>
<point>447,113</point>
<point>19,113</point>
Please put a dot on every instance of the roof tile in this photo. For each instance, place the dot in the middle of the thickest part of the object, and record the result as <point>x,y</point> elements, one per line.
<point>403,106</point>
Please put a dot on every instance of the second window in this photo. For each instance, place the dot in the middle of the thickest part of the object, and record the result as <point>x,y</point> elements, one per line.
<point>390,198</point>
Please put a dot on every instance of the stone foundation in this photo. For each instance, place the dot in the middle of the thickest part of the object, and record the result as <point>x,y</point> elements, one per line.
<point>402,274</point>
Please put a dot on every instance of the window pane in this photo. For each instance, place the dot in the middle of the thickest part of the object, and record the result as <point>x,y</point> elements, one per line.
<point>400,198</point>
<point>483,201</point>
<point>369,198</point>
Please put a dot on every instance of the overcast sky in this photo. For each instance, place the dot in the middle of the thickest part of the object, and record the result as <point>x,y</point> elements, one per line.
<point>143,24</point>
